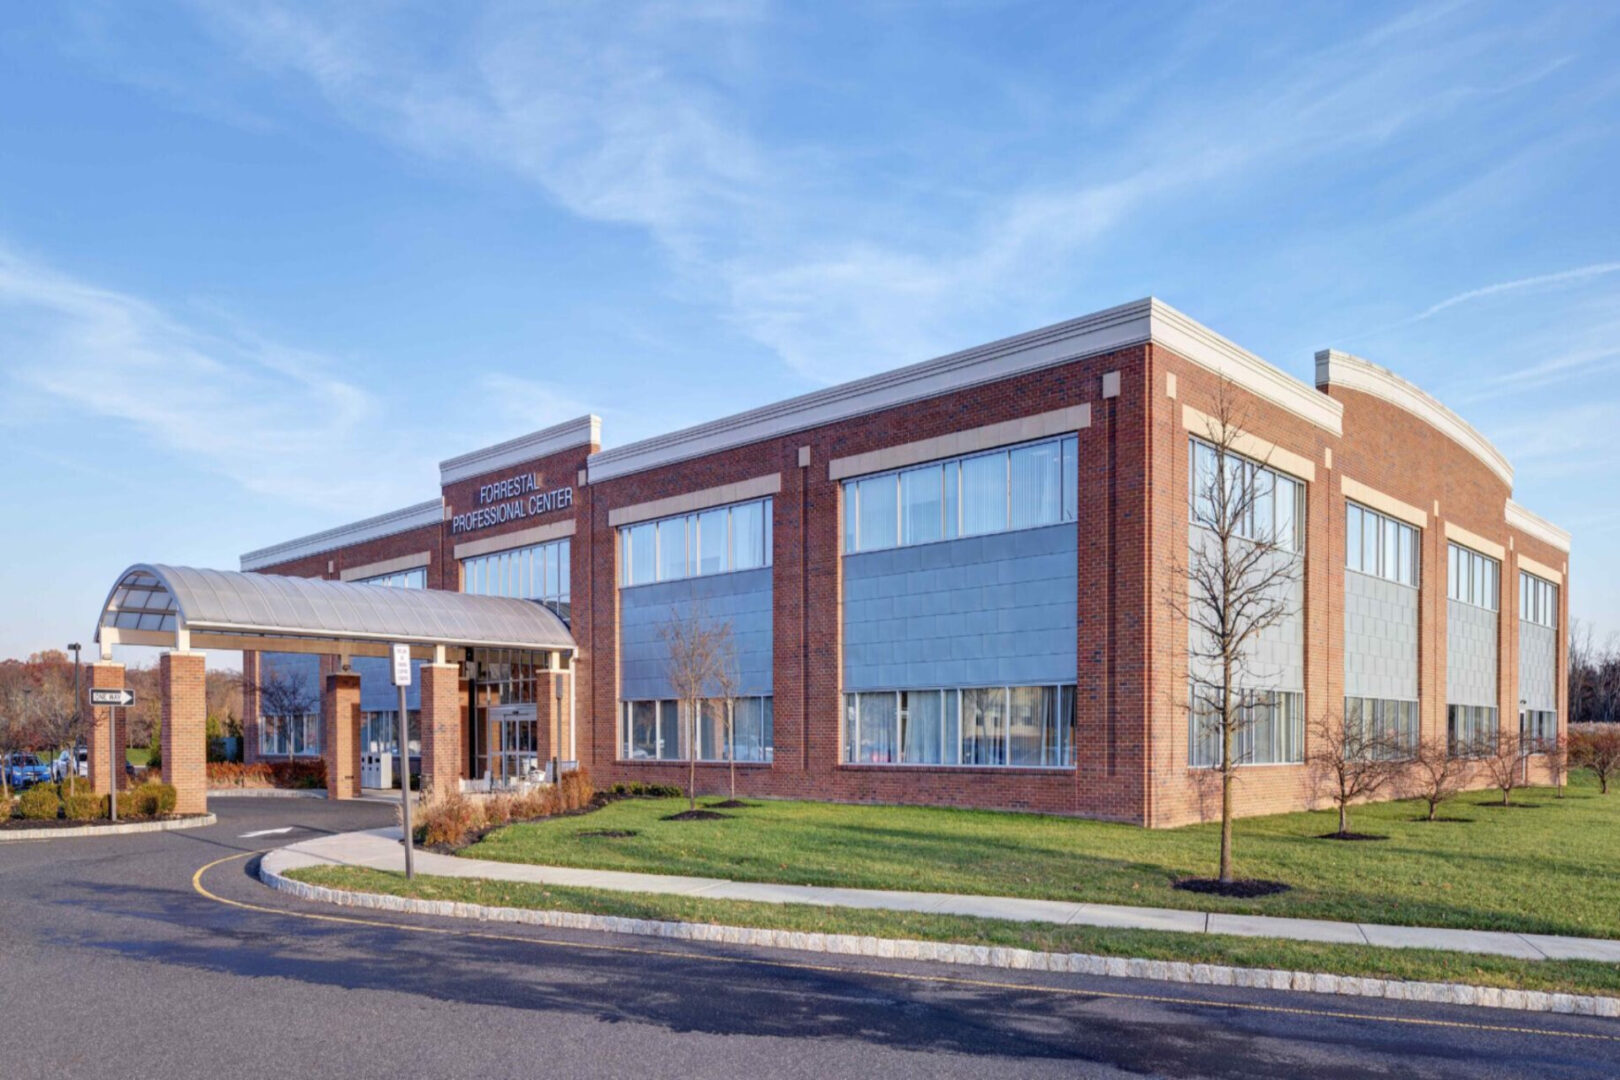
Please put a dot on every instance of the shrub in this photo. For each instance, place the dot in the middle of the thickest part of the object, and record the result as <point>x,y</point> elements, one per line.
<point>449,818</point>
<point>1596,747</point>
<point>576,791</point>
<point>647,791</point>
<point>225,774</point>
<point>84,805</point>
<point>298,774</point>
<point>40,803</point>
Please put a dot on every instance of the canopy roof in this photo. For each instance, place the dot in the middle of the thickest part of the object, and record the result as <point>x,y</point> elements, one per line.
<point>183,606</point>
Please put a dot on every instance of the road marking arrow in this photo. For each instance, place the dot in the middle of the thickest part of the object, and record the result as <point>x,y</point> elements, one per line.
<point>265,832</point>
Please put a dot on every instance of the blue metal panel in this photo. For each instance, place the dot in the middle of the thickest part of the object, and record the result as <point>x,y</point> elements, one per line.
<point>743,598</point>
<point>1380,638</point>
<point>377,692</point>
<point>983,611</point>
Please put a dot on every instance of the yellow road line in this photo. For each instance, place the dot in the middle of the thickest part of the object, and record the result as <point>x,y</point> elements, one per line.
<point>898,976</point>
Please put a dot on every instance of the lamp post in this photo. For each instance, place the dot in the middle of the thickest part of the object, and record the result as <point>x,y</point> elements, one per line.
<point>556,742</point>
<point>73,754</point>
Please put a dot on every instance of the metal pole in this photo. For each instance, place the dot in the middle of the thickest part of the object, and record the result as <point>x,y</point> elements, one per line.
<point>556,743</point>
<point>405,785</point>
<point>78,718</point>
<point>112,755</point>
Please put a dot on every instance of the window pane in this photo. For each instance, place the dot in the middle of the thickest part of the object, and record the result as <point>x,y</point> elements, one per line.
<point>1037,484</point>
<point>1352,537</point>
<point>748,535</point>
<point>922,515</point>
<point>984,726</point>
<point>643,729</point>
<point>1369,543</point>
<point>878,722</point>
<point>1264,498</point>
<point>879,512</point>
<point>1392,550</point>
<point>923,734</point>
<point>565,553</point>
<point>672,549</point>
<point>1203,483</point>
<point>953,491</point>
<point>1407,574</point>
<point>1032,714</point>
<point>984,494</point>
<point>711,541</point>
<point>1287,513</point>
<point>641,547</point>
<point>952,735</point>
<point>1071,479</point>
<point>670,731</point>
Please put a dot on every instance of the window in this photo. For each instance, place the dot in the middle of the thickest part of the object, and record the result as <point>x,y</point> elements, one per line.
<point>1538,600</point>
<point>654,731</point>
<point>1275,514</point>
<point>406,579</point>
<point>538,572</point>
<point>1020,726</point>
<point>1023,487</point>
<point>290,736</point>
<point>1474,578</point>
<point>1538,730</point>
<point>1470,730</point>
<point>1391,726</point>
<point>1380,546</point>
<point>714,541</point>
<point>1270,731</point>
<point>379,731</point>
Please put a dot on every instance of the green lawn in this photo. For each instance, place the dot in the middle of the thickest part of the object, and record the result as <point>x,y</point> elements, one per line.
<point>1414,964</point>
<point>1545,866</point>
<point>138,755</point>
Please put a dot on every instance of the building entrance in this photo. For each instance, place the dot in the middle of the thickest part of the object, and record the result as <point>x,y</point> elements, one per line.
<point>505,723</point>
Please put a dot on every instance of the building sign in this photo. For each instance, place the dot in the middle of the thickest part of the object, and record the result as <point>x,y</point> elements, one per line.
<point>512,499</point>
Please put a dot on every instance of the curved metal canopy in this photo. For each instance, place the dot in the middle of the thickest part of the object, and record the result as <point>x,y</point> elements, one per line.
<point>178,605</point>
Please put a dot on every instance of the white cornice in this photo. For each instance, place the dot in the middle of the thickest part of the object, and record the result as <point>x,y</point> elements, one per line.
<point>1335,368</point>
<point>1198,343</point>
<point>1537,526</point>
<point>1090,335</point>
<point>395,521</point>
<point>585,431</point>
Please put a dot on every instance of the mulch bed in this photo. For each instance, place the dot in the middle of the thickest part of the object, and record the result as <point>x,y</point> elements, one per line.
<point>1243,888</point>
<point>610,834</point>
<point>694,815</point>
<point>729,804</point>
<point>1351,836</point>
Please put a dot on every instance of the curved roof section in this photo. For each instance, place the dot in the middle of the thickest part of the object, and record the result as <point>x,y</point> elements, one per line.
<point>1335,368</point>
<point>167,599</point>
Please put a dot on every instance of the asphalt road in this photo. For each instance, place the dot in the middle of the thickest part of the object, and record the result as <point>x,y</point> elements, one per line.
<point>118,959</point>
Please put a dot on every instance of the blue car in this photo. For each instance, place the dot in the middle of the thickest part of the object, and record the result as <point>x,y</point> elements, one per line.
<point>24,769</point>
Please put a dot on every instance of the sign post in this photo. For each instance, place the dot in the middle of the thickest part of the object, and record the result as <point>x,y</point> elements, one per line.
<point>112,700</point>
<point>402,679</point>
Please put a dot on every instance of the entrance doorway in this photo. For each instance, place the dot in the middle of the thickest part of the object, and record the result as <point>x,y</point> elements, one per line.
<point>505,725</point>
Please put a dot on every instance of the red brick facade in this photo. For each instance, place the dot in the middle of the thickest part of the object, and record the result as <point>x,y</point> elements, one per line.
<point>1131,727</point>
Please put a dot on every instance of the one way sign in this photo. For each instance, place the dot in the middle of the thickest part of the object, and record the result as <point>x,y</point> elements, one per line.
<point>125,698</point>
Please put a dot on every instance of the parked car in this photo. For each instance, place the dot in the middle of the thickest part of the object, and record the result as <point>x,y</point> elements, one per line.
<point>75,762</point>
<point>25,769</point>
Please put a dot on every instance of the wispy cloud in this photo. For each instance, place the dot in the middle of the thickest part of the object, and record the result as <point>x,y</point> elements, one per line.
<point>269,417</point>
<point>649,118</point>
<point>1537,281</point>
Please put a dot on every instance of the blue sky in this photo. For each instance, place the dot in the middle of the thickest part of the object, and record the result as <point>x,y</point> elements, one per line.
<point>263,265</point>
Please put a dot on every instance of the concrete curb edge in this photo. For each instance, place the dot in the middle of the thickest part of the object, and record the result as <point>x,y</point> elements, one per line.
<point>976,955</point>
<point>266,793</point>
<point>195,821</point>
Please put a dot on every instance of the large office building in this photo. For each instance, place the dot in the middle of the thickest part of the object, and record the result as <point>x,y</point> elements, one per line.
<point>963,582</point>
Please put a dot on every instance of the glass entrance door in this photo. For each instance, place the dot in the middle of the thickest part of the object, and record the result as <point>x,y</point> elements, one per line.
<point>515,731</point>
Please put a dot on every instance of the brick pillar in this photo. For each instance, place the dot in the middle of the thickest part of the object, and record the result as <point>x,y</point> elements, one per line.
<point>106,676</point>
<point>442,766</point>
<point>547,716</point>
<point>250,707</point>
<point>340,734</point>
<point>181,675</point>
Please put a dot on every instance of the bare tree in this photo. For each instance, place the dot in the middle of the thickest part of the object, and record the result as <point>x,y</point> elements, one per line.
<point>1556,750</point>
<point>696,651</point>
<point>726,682</point>
<point>1236,583</point>
<point>1596,748</point>
<point>1352,762</point>
<point>1436,775</point>
<point>1503,759</point>
<point>283,692</point>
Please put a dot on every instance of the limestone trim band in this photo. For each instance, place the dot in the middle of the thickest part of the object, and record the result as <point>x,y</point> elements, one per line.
<point>421,515</point>
<point>1541,570</point>
<point>538,534</point>
<point>1474,540</point>
<point>988,437</point>
<point>386,566</point>
<point>757,487</point>
<point>1202,424</point>
<point>1384,504</point>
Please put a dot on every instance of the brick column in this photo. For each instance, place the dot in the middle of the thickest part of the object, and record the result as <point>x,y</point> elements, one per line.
<point>185,729</point>
<point>546,715</point>
<point>442,766</point>
<point>340,734</point>
<point>250,707</point>
<point>106,676</point>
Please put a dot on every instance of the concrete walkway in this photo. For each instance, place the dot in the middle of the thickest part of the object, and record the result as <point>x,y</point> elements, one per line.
<point>379,849</point>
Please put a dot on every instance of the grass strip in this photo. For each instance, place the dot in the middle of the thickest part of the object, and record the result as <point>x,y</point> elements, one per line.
<point>1427,965</point>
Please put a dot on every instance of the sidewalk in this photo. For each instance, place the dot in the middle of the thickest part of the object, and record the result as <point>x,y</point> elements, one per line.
<point>379,849</point>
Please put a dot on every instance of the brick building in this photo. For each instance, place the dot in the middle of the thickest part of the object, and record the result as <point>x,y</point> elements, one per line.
<point>954,583</point>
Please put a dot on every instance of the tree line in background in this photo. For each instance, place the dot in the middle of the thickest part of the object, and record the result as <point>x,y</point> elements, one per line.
<point>37,709</point>
<point>1594,677</point>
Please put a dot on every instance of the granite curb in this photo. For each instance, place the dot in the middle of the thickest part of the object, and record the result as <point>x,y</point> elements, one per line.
<point>942,952</point>
<point>196,821</point>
